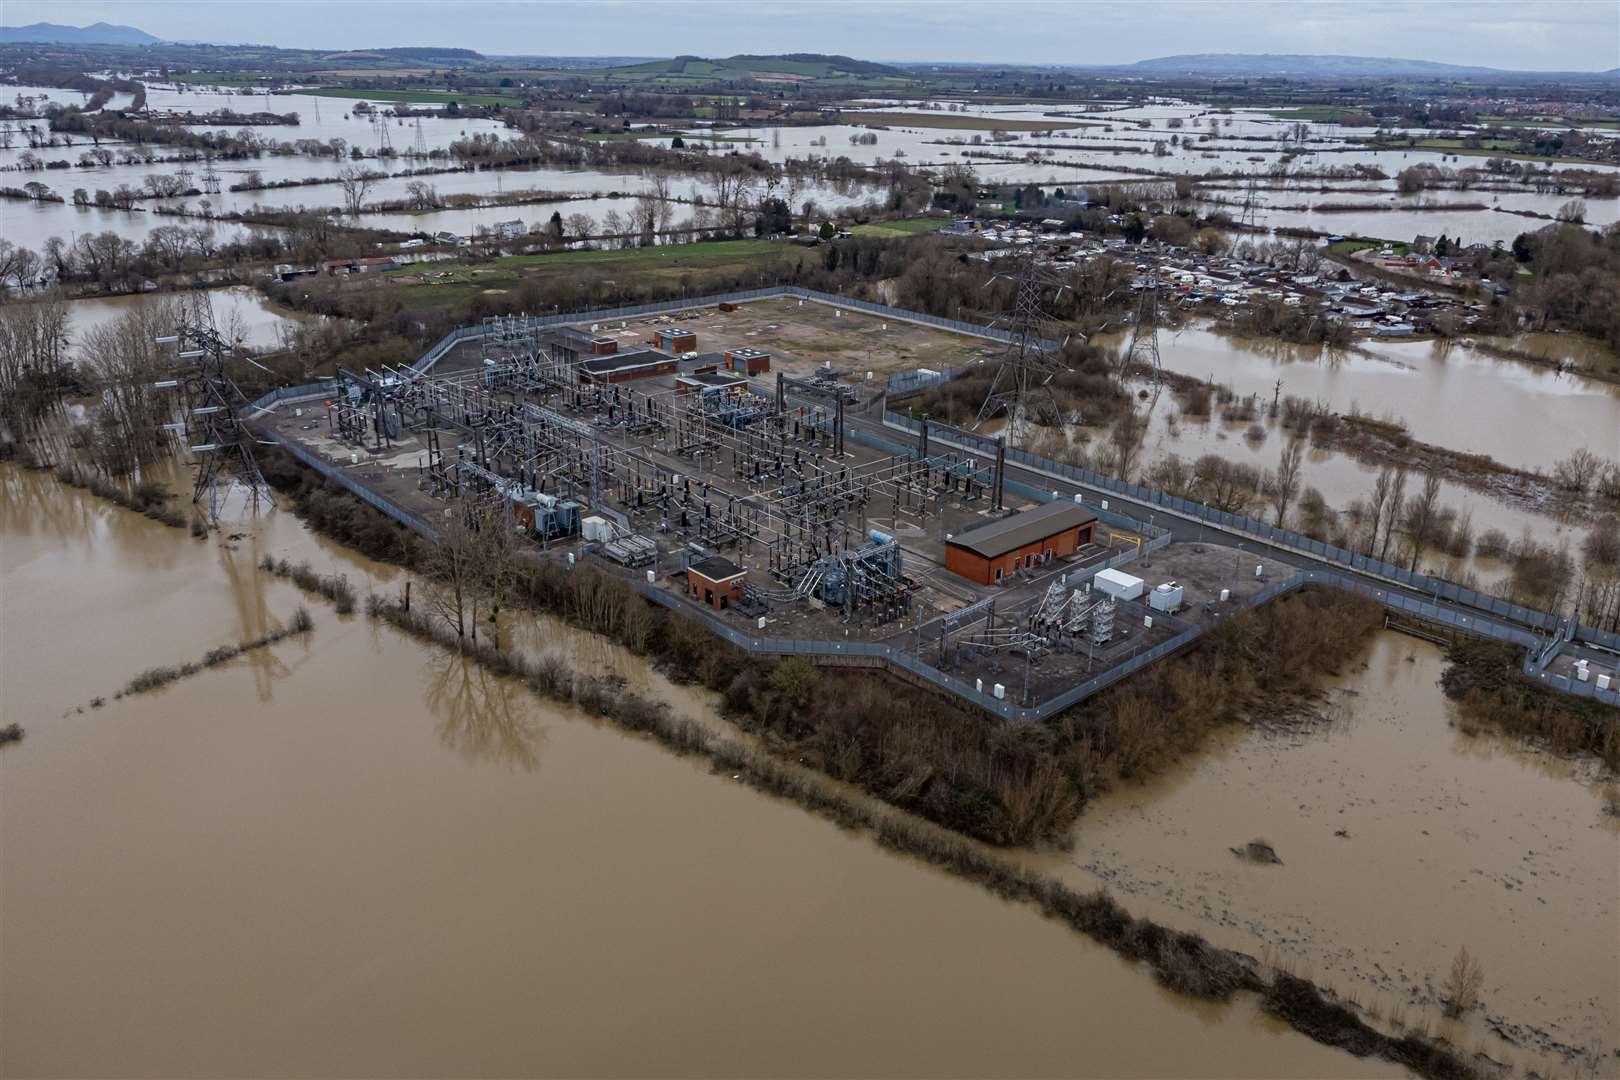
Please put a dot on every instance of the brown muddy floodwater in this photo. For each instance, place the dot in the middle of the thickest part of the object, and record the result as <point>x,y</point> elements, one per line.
<point>350,855</point>
<point>1447,840</point>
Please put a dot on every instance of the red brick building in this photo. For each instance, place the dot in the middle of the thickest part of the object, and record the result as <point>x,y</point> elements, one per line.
<point>748,361</point>
<point>715,581</point>
<point>674,339</point>
<point>997,550</point>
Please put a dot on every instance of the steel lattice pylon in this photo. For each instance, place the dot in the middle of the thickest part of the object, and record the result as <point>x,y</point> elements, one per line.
<point>1024,377</point>
<point>214,407</point>
<point>1144,347</point>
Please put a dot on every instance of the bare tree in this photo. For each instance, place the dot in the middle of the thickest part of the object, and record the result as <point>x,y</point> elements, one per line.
<point>578,227</point>
<point>1576,472</point>
<point>356,181</point>
<point>452,569</point>
<point>1397,497</point>
<point>1422,514</point>
<point>1375,506</point>
<point>1284,483</point>
<point>1463,983</point>
<point>1125,444</point>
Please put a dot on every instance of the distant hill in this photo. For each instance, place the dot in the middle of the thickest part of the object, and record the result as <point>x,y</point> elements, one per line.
<point>1302,66</point>
<point>96,34</point>
<point>786,68</point>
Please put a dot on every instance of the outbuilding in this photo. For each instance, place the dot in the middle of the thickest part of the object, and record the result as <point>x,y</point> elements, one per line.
<point>622,367</point>
<point>746,361</point>
<point>716,582</point>
<point>995,551</point>
<point>674,339</point>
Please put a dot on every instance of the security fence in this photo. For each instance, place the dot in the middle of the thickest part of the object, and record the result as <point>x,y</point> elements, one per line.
<point>340,476</point>
<point>1438,610</point>
<point>1426,583</point>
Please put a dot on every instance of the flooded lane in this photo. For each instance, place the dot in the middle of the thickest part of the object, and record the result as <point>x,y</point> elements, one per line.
<point>352,856</point>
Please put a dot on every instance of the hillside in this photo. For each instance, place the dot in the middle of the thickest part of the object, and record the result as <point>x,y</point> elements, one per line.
<point>96,34</point>
<point>789,69</point>
<point>1298,65</point>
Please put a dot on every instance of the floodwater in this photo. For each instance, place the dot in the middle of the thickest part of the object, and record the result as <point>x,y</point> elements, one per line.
<point>1342,478</point>
<point>1448,392</point>
<point>241,312</point>
<point>1401,839</point>
<point>351,855</point>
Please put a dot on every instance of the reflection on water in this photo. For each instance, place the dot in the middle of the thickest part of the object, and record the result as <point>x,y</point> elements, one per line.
<point>481,716</point>
<point>210,882</point>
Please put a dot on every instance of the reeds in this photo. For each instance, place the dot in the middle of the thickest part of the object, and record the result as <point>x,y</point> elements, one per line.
<point>334,587</point>
<point>145,498</point>
<point>155,678</point>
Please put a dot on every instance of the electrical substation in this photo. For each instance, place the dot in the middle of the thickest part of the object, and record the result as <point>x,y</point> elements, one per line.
<point>698,454</point>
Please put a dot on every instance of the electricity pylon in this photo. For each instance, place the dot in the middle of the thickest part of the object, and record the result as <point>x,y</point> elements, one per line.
<point>1023,379</point>
<point>214,412</point>
<point>1144,347</point>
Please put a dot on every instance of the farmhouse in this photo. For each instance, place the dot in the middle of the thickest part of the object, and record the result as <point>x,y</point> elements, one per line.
<point>994,552</point>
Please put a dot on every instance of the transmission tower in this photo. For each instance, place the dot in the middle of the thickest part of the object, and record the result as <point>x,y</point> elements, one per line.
<point>214,408</point>
<point>210,176</point>
<point>1251,202</point>
<point>421,139</point>
<point>1144,348</point>
<point>1024,376</point>
<point>379,122</point>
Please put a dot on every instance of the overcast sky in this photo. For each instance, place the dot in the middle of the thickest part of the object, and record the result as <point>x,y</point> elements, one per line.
<point>1565,35</point>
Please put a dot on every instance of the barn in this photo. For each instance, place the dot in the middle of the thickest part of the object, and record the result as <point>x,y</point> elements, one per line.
<point>996,550</point>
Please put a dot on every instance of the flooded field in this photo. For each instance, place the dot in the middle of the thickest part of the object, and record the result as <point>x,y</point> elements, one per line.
<point>350,855</point>
<point>1401,839</point>
<point>241,313</point>
<point>1447,392</point>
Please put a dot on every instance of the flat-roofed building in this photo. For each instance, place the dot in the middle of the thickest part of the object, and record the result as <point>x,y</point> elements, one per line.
<point>674,339</point>
<point>716,582</point>
<point>997,550</point>
<point>623,367</point>
<point>747,361</point>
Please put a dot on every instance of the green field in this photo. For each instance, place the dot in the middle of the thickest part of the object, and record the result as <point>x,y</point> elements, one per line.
<point>712,253</point>
<point>1320,114</point>
<point>1561,122</point>
<point>954,121</point>
<point>1360,243</point>
<point>416,97</point>
<point>906,227</point>
<point>1496,148</point>
<point>690,138</point>
<point>229,78</point>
